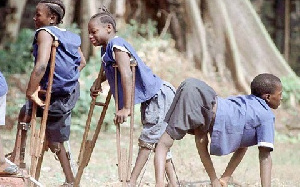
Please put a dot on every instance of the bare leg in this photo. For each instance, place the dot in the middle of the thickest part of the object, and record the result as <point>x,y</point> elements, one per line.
<point>20,131</point>
<point>139,164</point>
<point>233,163</point>
<point>164,144</point>
<point>4,165</point>
<point>2,157</point>
<point>201,141</point>
<point>171,173</point>
<point>65,164</point>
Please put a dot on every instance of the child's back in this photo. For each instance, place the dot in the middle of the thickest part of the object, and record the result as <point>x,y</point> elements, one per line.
<point>239,122</point>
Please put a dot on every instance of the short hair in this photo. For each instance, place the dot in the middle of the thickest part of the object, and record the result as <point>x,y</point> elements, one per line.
<point>104,16</point>
<point>56,7</point>
<point>264,84</point>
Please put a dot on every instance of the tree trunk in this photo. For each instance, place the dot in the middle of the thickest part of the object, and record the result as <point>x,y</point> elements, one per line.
<point>13,20</point>
<point>237,42</point>
<point>70,10</point>
<point>198,30</point>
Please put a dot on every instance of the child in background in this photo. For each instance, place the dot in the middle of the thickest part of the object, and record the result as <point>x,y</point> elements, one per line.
<point>69,61</point>
<point>154,94</point>
<point>6,167</point>
<point>234,124</point>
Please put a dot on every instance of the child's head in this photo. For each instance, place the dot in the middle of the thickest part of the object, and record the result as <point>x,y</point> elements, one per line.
<point>49,12</point>
<point>102,26</point>
<point>268,87</point>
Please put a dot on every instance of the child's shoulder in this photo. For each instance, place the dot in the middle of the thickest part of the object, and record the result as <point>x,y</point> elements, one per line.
<point>117,40</point>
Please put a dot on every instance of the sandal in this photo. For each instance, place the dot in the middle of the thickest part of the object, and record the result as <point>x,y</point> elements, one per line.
<point>11,169</point>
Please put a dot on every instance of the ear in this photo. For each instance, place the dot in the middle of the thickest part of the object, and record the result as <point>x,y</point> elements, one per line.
<point>109,28</point>
<point>52,19</point>
<point>266,97</point>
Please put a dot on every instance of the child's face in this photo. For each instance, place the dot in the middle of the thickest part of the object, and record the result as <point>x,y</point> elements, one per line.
<point>273,100</point>
<point>98,32</point>
<point>42,16</point>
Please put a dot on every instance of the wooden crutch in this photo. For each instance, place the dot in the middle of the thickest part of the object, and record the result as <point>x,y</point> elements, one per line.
<point>124,162</point>
<point>87,146</point>
<point>38,140</point>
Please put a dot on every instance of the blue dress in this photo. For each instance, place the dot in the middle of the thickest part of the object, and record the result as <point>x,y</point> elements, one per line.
<point>147,84</point>
<point>67,60</point>
<point>3,85</point>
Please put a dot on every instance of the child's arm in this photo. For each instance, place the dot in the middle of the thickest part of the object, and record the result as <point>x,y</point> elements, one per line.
<point>265,161</point>
<point>201,140</point>
<point>123,61</point>
<point>233,163</point>
<point>82,62</point>
<point>44,41</point>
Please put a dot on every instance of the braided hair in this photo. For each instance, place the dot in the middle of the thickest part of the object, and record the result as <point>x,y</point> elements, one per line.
<point>264,84</point>
<point>104,16</point>
<point>56,7</point>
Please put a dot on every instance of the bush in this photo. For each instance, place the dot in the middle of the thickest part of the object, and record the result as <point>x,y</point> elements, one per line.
<point>16,57</point>
<point>291,91</point>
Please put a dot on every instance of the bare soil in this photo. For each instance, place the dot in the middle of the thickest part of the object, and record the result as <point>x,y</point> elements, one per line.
<point>102,169</point>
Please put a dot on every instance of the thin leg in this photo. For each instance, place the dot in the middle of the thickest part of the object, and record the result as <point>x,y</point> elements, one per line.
<point>65,164</point>
<point>139,164</point>
<point>164,144</point>
<point>171,174</point>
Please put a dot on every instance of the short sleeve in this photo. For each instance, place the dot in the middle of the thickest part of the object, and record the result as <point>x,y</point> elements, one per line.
<point>265,134</point>
<point>121,48</point>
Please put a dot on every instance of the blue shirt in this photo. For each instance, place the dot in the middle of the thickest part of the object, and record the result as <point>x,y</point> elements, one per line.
<point>242,121</point>
<point>67,60</point>
<point>3,85</point>
<point>146,83</point>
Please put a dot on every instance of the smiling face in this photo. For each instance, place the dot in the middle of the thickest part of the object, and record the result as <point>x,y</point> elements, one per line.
<point>42,16</point>
<point>273,100</point>
<point>99,33</point>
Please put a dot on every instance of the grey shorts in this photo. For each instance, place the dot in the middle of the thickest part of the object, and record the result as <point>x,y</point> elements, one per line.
<point>192,107</point>
<point>153,112</point>
<point>59,115</point>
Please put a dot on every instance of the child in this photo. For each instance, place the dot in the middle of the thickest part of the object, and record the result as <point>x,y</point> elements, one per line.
<point>69,61</point>
<point>234,124</point>
<point>154,94</point>
<point>6,167</point>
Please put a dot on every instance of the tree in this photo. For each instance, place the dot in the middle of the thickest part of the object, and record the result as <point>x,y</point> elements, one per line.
<point>224,38</point>
<point>13,20</point>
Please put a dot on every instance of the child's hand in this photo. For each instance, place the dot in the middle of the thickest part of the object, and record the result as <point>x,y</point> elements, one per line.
<point>121,116</point>
<point>224,181</point>
<point>94,92</point>
<point>34,96</point>
<point>215,183</point>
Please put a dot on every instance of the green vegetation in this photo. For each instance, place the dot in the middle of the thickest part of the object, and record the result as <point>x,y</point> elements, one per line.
<point>291,91</point>
<point>16,57</point>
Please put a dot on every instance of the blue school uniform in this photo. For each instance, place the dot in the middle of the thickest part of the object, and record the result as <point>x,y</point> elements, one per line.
<point>242,121</point>
<point>65,88</point>
<point>3,85</point>
<point>67,61</point>
<point>147,84</point>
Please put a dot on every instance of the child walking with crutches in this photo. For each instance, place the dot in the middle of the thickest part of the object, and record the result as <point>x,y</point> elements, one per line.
<point>69,61</point>
<point>154,94</point>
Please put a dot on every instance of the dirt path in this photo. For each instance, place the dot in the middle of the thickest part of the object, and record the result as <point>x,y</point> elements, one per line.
<point>102,169</point>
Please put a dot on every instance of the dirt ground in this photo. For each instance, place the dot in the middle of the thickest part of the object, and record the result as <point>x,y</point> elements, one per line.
<point>102,169</point>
